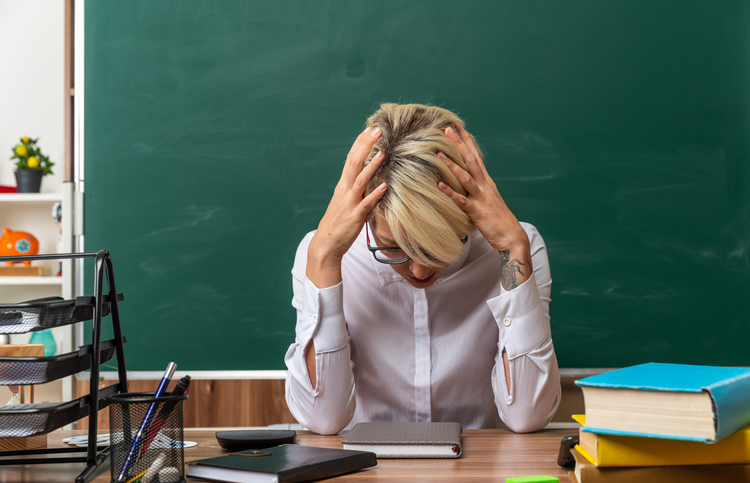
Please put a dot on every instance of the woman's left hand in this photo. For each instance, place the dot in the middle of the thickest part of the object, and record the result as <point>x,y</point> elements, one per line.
<point>483,204</point>
<point>488,210</point>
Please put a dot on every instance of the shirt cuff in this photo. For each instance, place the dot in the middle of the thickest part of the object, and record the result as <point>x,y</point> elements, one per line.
<point>523,323</point>
<point>322,318</point>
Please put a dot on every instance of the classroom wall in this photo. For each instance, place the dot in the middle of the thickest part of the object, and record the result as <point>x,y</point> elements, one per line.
<point>31,86</point>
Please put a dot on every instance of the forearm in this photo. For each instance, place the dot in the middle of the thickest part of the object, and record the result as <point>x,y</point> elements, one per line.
<point>320,386</point>
<point>532,401</point>
<point>526,379</point>
<point>320,382</point>
<point>323,267</point>
<point>329,407</point>
<point>516,269</point>
<point>516,261</point>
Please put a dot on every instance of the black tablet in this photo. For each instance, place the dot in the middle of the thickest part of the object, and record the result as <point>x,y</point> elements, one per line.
<point>240,440</point>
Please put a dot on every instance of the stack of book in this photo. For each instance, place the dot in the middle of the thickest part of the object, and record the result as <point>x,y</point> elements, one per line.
<point>665,423</point>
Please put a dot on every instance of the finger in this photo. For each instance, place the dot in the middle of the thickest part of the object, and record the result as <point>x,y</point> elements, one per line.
<point>466,180</point>
<point>474,168</point>
<point>365,147</point>
<point>355,160</point>
<point>357,141</point>
<point>366,175</point>
<point>473,147</point>
<point>469,140</point>
<point>348,165</point>
<point>369,201</point>
<point>462,201</point>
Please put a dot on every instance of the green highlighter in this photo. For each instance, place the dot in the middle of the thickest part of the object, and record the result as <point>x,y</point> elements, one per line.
<point>533,479</point>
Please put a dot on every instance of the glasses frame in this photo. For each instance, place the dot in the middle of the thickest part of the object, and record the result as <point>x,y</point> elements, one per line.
<point>376,249</point>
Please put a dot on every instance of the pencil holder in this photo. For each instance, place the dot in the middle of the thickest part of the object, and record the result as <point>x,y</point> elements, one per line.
<point>146,438</point>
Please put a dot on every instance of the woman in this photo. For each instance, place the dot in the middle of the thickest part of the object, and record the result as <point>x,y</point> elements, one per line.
<point>420,297</point>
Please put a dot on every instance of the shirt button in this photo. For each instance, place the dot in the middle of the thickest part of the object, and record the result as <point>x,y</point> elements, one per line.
<point>507,321</point>
<point>314,318</point>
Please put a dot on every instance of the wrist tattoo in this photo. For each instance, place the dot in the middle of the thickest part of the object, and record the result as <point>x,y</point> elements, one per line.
<point>512,270</point>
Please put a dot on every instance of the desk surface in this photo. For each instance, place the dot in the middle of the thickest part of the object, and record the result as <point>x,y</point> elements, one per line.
<point>489,455</point>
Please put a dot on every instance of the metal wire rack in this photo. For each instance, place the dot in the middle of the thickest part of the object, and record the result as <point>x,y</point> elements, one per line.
<point>33,419</point>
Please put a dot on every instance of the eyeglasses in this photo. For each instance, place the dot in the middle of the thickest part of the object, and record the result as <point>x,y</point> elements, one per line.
<point>394,255</point>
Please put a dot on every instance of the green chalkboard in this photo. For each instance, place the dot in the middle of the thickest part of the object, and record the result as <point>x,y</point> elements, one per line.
<point>215,132</point>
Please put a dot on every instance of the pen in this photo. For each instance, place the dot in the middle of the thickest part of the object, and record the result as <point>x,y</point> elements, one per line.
<point>166,410</point>
<point>137,441</point>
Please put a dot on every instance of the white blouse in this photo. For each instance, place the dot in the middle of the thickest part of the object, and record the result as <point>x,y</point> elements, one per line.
<point>387,351</point>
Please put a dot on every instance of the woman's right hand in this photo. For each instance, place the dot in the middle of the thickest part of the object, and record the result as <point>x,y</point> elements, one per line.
<point>346,213</point>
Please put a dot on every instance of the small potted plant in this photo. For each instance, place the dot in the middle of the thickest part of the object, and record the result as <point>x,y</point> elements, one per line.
<point>31,165</point>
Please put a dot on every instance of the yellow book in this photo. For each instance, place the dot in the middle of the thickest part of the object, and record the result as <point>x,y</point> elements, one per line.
<point>585,472</point>
<point>604,450</point>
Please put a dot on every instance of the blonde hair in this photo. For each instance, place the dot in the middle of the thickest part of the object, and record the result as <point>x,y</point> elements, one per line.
<point>422,218</point>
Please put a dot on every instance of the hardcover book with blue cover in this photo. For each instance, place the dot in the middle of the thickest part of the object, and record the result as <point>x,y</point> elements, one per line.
<point>676,401</point>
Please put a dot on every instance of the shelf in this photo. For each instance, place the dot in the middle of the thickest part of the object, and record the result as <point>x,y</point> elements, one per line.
<point>48,280</point>
<point>47,312</point>
<point>30,198</point>
<point>22,420</point>
<point>26,371</point>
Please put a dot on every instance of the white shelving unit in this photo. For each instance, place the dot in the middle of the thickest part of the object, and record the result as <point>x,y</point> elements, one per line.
<point>46,281</point>
<point>30,199</point>
<point>32,213</point>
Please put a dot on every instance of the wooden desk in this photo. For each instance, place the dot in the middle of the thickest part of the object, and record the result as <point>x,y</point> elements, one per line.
<point>489,455</point>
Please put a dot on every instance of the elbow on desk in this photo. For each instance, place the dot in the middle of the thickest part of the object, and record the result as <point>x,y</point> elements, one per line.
<point>323,423</point>
<point>530,418</point>
<point>310,414</point>
<point>326,428</point>
<point>527,425</point>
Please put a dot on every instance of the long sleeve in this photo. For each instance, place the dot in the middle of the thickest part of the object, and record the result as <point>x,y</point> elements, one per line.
<point>423,354</point>
<point>522,315</point>
<point>327,408</point>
